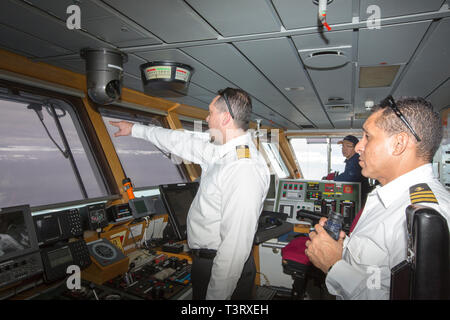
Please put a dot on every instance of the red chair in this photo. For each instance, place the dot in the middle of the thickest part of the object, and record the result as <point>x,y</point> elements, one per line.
<point>297,264</point>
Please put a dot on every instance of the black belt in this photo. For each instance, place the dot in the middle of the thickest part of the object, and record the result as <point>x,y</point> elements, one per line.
<point>204,253</point>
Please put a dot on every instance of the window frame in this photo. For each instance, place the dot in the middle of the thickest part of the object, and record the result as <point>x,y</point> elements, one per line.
<point>134,115</point>
<point>278,158</point>
<point>86,133</point>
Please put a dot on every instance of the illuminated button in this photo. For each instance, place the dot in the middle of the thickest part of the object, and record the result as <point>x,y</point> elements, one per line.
<point>295,187</point>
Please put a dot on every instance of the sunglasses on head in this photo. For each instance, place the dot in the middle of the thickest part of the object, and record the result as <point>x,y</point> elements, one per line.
<point>225,97</point>
<point>389,101</point>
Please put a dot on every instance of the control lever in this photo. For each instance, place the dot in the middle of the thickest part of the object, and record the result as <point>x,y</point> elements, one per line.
<point>92,286</point>
<point>333,225</point>
<point>314,216</point>
<point>128,278</point>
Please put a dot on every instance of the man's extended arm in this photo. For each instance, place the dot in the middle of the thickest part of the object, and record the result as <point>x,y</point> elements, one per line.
<point>181,143</point>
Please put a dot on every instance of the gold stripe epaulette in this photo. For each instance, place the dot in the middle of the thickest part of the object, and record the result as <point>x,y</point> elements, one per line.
<point>421,193</point>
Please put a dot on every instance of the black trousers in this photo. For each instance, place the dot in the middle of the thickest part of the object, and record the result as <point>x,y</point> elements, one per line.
<point>201,273</point>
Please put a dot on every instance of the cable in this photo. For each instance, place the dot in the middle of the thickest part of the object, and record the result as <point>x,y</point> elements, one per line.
<point>132,235</point>
<point>38,109</point>
<point>265,278</point>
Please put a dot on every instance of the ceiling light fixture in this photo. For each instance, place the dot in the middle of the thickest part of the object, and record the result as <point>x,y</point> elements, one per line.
<point>369,104</point>
<point>295,89</point>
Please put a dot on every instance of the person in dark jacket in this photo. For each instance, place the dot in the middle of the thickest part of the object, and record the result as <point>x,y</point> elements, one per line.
<point>352,172</point>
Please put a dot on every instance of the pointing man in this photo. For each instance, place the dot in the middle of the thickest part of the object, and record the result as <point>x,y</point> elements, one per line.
<point>223,217</point>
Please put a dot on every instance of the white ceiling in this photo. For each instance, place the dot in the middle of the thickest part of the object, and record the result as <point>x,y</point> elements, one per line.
<point>261,46</point>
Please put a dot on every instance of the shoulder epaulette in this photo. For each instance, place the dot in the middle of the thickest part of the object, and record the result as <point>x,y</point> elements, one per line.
<point>421,193</point>
<point>243,152</point>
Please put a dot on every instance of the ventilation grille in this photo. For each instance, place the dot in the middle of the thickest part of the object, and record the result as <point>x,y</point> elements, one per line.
<point>380,76</point>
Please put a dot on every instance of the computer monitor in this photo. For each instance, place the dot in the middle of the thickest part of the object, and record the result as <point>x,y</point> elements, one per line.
<point>17,233</point>
<point>146,206</point>
<point>177,199</point>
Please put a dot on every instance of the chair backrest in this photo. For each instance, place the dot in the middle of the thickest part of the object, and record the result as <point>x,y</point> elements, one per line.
<point>426,272</point>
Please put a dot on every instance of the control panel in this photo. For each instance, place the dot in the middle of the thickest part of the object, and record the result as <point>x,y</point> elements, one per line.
<point>444,169</point>
<point>56,226</point>
<point>20,268</point>
<point>119,212</point>
<point>319,196</point>
<point>94,216</point>
<point>58,257</point>
<point>161,278</point>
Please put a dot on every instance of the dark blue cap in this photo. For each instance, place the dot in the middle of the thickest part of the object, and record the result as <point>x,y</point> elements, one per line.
<point>350,138</point>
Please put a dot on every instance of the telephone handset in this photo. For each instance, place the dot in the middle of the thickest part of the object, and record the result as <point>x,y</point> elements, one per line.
<point>57,258</point>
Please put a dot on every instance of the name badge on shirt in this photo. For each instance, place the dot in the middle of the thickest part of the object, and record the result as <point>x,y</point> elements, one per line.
<point>421,193</point>
<point>243,152</point>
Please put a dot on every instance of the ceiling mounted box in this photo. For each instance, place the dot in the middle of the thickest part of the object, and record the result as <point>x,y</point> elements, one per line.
<point>166,78</point>
<point>338,108</point>
<point>329,58</point>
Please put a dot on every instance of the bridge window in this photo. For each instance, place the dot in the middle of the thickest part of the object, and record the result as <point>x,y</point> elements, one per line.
<point>318,156</point>
<point>143,163</point>
<point>44,159</point>
<point>276,162</point>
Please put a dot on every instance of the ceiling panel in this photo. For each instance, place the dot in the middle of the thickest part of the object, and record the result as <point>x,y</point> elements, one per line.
<point>98,19</point>
<point>171,21</point>
<point>390,44</point>
<point>233,66</point>
<point>50,29</point>
<point>131,82</point>
<point>262,112</point>
<point>389,8</point>
<point>119,34</point>
<point>341,123</point>
<point>333,83</point>
<point>279,61</point>
<point>201,94</point>
<point>261,57</point>
<point>28,44</point>
<point>132,66</point>
<point>440,98</point>
<point>298,14</point>
<point>237,17</point>
<point>358,123</point>
<point>431,66</point>
<point>89,10</point>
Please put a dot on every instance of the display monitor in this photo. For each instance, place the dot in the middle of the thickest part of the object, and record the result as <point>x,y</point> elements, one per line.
<point>146,206</point>
<point>177,199</point>
<point>17,232</point>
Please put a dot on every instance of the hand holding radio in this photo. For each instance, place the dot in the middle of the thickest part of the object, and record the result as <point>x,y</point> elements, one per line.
<point>322,250</point>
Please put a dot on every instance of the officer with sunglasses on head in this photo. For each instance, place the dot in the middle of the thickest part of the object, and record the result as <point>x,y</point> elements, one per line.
<point>223,216</point>
<point>399,142</point>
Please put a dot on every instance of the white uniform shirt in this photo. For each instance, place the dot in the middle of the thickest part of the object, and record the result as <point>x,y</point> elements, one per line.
<point>224,214</point>
<point>379,240</point>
